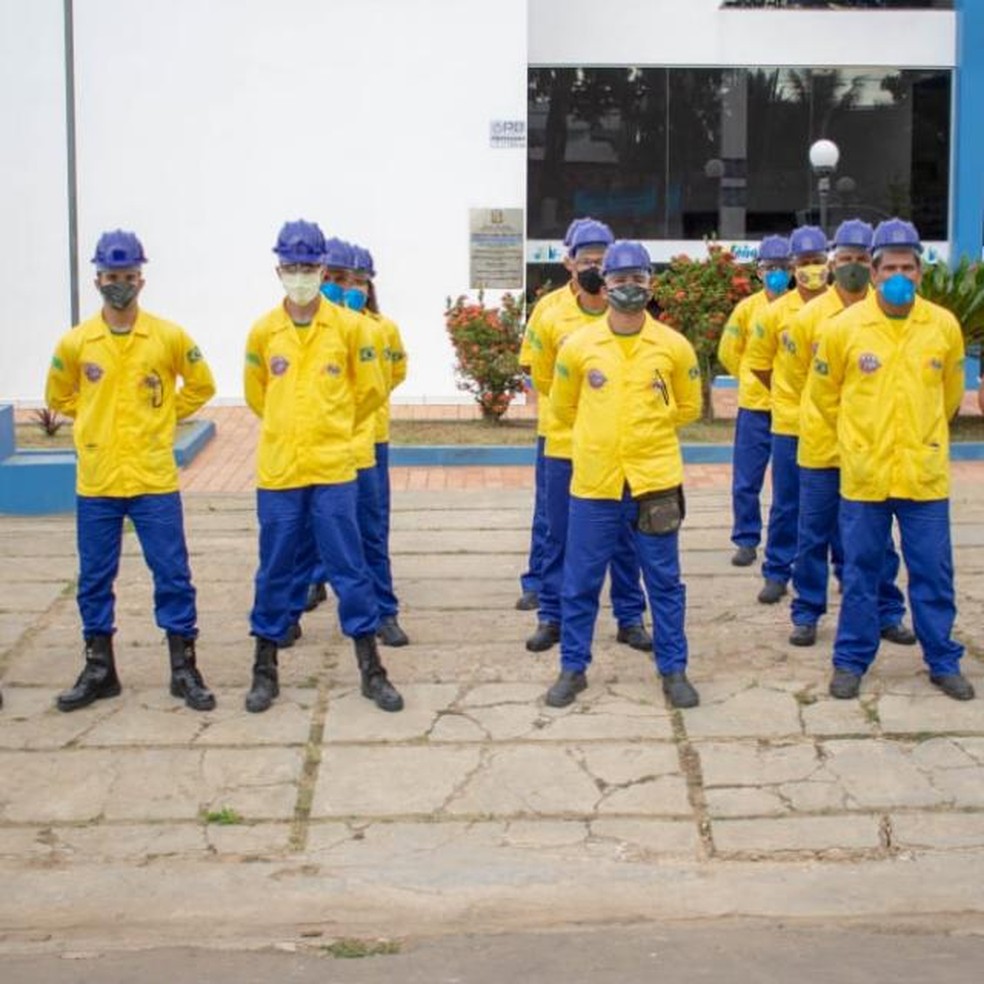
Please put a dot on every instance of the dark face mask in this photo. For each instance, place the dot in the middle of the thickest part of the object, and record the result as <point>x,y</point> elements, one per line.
<point>628,298</point>
<point>118,296</point>
<point>852,277</point>
<point>591,281</point>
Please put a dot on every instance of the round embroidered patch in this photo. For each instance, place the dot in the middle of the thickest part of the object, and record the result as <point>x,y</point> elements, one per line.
<point>92,372</point>
<point>596,378</point>
<point>278,365</point>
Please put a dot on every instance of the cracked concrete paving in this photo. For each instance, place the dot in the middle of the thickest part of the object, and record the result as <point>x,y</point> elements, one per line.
<point>478,807</point>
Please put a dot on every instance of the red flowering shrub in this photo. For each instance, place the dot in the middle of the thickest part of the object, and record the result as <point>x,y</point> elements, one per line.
<point>696,297</point>
<point>486,344</point>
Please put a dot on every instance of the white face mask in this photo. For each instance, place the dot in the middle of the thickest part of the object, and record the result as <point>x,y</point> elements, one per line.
<point>301,288</point>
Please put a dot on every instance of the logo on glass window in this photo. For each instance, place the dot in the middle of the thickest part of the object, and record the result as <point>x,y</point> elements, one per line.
<point>868,363</point>
<point>279,365</point>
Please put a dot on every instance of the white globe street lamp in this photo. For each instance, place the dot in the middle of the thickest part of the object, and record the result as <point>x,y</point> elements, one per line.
<point>824,155</point>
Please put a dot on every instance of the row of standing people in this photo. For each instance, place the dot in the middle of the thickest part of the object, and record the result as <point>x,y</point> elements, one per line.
<point>847,382</point>
<point>319,369</point>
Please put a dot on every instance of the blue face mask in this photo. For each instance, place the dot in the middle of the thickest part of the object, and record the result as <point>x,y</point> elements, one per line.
<point>776,281</point>
<point>898,290</point>
<point>334,292</point>
<point>355,299</point>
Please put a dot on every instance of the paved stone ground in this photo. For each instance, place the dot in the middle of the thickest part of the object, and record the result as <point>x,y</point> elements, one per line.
<point>477,808</point>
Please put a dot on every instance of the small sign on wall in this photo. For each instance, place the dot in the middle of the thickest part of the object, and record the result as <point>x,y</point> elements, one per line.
<point>507,133</point>
<point>496,248</point>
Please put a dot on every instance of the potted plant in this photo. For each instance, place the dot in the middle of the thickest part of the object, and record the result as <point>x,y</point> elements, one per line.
<point>486,343</point>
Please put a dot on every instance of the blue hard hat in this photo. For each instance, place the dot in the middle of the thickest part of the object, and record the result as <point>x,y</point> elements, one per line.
<point>807,239</point>
<point>572,228</point>
<point>896,234</point>
<point>774,248</point>
<point>300,242</point>
<point>590,233</point>
<point>118,250</point>
<point>625,254</point>
<point>363,261</point>
<point>854,232</point>
<point>339,254</point>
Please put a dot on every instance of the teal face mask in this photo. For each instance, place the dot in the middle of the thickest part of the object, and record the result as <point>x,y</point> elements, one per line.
<point>776,281</point>
<point>898,290</point>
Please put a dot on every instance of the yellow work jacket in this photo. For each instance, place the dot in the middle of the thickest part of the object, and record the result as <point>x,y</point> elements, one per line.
<point>625,408</point>
<point>393,362</point>
<point>752,395</point>
<point>311,387</point>
<point>560,322</point>
<point>122,391</point>
<point>817,446</point>
<point>769,342</point>
<point>890,387</point>
<point>530,342</point>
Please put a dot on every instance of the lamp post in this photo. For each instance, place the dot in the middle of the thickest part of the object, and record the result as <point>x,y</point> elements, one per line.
<point>824,155</point>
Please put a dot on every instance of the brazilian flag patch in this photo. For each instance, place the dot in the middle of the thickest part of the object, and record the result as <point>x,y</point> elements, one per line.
<point>195,354</point>
<point>367,353</point>
<point>253,359</point>
<point>57,363</point>
<point>693,372</point>
<point>563,371</point>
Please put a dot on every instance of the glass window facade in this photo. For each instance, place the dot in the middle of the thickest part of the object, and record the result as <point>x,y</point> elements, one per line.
<point>843,4</point>
<point>684,153</point>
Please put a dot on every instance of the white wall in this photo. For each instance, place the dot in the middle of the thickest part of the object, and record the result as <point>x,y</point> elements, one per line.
<point>34,291</point>
<point>203,126</point>
<point>699,32</point>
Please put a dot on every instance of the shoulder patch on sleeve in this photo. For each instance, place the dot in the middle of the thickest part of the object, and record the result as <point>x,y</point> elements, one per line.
<point>57,363</point>
<point>820,367</point>
<point>563,371</point>
<point>367,353</point>
<point>693,372</point>
<point>253,359</point>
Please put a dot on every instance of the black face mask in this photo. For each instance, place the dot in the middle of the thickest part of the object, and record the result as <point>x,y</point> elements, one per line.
<point>118,296</point>
<point>853,277</point>
<point>591,281</point>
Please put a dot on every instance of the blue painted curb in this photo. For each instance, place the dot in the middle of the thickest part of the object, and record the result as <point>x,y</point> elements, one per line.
<point>37,482</point>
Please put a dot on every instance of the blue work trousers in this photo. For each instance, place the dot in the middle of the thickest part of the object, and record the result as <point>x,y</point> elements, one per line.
<point>750,459</point>
<point>375,541</point>
<point>780,541</point>
<point>628,601</point>
<point>819,534</point>
<point>326,515</point>
<point>531,578</point>
<point>159,525</point>
<point>925,535</point>
<point>594,535</point>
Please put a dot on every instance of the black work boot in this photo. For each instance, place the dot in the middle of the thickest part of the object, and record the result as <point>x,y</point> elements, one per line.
<point>265,683</point>
<point>98,678</point>
<point>547,634</point>
<point>316,594</point>
<point>680,690</point>
<point>529,601</point>
<point>771,592</point>
<point>954,685</point>
<point>803,635</point>
<point>390,632</point>
<point>845,685</point>
<point>744,557</point>
<point>186,680</point>
<point>566,688</point>
<point>635,636</point>
<point>375,684</point>
<point>293,634</point>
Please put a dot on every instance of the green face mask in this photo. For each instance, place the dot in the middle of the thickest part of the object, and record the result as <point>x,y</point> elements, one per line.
<point>852,277</point>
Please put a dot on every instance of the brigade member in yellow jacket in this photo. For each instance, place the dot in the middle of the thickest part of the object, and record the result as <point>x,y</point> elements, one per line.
<point>888,374</point>
<point>529,580</point>
<point>116,375</point>
<point>753,437</point>
<point>587,303</point>
<point>817,532</point>
<point>347,286</point>
<point>808,249</point>
<point>625,383</point>
<point>312,375</point>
